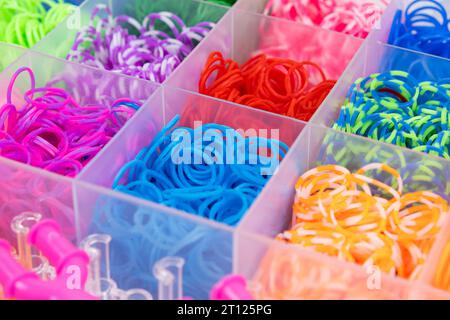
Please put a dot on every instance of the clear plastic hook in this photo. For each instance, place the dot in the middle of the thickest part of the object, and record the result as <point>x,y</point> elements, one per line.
<point>21,225</point>
<point>97,247</point>
<point>138,294</point>
<point>108,289</point>
<point>169,272</point>
<point>41,267</point>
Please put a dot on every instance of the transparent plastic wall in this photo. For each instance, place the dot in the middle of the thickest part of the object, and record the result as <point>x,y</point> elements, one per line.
<point>159,233</point>
<point>144,233</point>
<point>383,31</point>
<point>304,274</point>
<point>240,35</point>
<point>9,53</point>
<point>193,109</point>
<point>27,189</point>
<point>87,86</point>
<point>61,39</point>
<point>376,57</point>
<point>438,268</point>
<point>261,6</point>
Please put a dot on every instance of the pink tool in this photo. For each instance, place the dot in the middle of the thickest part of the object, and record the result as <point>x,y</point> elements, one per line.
<point>22,284</point>
<point>61,253</point>
<point>231,287</point>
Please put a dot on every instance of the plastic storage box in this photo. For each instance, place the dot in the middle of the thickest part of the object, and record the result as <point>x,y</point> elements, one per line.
<point>211,250</point>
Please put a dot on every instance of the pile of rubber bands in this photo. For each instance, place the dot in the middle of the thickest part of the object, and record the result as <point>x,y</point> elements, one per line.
<point>393,107</point>
<point>149,50</point>
<point>424,28</point>
<point>283,86</point>
<point>141,236</point>
<point>25,22</point>
<point>353,17</point>
<point>360,219</point>
<point>211,171</point>
<point>52,131</point>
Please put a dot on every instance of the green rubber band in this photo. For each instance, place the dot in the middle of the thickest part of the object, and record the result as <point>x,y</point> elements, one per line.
<point>25,22</point>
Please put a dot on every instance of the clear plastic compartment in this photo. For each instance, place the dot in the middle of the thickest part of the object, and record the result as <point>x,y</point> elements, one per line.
<point>88,86</point>
<point>240,35</point>
<point>271,214</point>
<point>166,104</point>
<point>27,189</point>
<point>382,33</point>
<point>61,39</point>
<point>376,57</point>
<point>143,233</point>
<point>259,6</point>
<point>276,271</point>
<point>9,53</point>
<point>206,248</point>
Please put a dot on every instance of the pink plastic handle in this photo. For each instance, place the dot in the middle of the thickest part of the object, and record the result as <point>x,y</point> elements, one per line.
<point>46,236</point>
<point>22,284</point>
<point>231,287</point>
<point>11,271</point>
